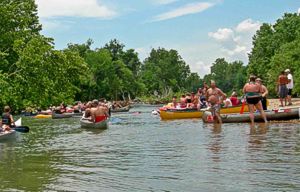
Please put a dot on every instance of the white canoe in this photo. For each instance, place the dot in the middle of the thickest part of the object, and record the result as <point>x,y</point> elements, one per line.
<point>5,135</point>
<point>85,123</point>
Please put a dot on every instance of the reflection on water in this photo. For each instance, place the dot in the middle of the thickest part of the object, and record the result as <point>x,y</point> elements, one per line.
<point>141,153</point>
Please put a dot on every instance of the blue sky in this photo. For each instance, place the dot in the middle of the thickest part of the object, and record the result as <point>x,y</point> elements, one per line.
<point>201,31</point>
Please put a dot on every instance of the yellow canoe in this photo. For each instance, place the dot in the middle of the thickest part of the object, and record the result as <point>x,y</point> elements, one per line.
<point>192,113</point>
<point>42,116</point>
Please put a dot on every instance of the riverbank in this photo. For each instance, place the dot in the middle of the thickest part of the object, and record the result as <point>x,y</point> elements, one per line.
<point>274,103</point>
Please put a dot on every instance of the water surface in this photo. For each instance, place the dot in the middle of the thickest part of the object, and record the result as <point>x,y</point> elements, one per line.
<point>139,152</point>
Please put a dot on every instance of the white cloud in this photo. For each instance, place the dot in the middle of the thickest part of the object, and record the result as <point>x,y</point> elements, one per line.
<point>247,25</point>
<point>164,2</point>
<point>299,11</point>
<point>236,42</point>
<point>185,10</point>
<point>201,67</point>
<point>73,8</point>
<point>223,34</point>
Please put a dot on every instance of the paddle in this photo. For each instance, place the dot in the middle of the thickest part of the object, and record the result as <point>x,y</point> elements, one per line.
<point>19,127</point>
<point>243,106</point>
<point>22,129</point>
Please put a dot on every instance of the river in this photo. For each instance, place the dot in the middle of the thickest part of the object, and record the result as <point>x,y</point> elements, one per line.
<point>139,152</point>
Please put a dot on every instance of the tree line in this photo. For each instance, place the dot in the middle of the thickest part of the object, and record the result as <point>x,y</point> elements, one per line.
<point>33,73</point>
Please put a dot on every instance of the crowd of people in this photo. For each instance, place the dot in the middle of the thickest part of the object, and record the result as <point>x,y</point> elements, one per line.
<point>254,94</point>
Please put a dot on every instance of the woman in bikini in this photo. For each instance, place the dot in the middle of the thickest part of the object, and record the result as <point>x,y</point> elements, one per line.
<point>252,91</point>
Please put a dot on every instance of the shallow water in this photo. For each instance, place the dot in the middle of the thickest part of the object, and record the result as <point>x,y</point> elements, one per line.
<point>139,152</point>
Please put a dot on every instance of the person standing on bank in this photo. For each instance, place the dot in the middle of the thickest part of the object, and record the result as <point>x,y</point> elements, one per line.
<point>289,86</point>
<point>281,88</point>
<point>264,93</point>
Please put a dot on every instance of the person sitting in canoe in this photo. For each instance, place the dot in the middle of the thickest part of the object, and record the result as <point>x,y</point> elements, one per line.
<point>7,119</point>
<point>202,100</point>
<point>234,99</point>
<point>174,103</point>
<point>106,106</point>
<point>182,101</point>
<point>98,112</point>
<point>215,97</point>
<point>87,109</point>
<point>252,91</point>
<point>227,102</point>
<point>63,107</point>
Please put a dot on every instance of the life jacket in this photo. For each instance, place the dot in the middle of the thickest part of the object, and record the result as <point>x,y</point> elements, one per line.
<point>6,119</point>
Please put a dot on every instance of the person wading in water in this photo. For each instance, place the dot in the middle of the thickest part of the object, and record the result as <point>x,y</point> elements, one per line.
<point>252,91</point>
<point>214,97</point>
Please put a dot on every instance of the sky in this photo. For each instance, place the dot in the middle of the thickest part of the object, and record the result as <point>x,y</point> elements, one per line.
<point>201,31</point>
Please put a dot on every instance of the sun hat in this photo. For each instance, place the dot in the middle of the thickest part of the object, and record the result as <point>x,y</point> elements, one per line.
<point>287,70</point>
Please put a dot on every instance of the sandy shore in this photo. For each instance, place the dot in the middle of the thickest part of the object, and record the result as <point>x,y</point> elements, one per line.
<point>274,103</point>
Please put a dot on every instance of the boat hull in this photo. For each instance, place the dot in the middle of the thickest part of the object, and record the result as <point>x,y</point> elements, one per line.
<point>88,124</point>
<point>7,135</point>
<point>123,109</point>
<point>192,113</point>
<point>61,116</point>
<point>287,114</point>
<point>42,116</point>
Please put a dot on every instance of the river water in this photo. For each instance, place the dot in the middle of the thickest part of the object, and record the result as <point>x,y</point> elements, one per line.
<point>139,152</point>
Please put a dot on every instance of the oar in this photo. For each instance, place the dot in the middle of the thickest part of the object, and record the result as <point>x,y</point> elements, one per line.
<point>22,129</point>
<point>19,127</point>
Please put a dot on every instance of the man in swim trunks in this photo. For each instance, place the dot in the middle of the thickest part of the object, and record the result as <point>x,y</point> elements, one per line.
<point>252,91</point>
<point>98,112</point>
<point>215,97</point>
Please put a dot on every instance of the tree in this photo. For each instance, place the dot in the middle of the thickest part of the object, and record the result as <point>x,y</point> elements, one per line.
<point>165,71</point>
<point>19,21</point>
<point>272,45</point>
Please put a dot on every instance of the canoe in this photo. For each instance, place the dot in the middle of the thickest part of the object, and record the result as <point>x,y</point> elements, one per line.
<point>77,114</point>
<point>166,114</point>
<point>61,116</point>
<point>29,114</point>
<point>122,109</point>
<point>6,135</point>
<point>286,114</point>
<point>42,116</point>
<point>85,123</point>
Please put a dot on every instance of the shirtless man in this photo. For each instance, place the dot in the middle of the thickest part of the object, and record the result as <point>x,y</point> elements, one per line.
<point>253,92</point>
<point>215,97</point>
<point>98,112</point>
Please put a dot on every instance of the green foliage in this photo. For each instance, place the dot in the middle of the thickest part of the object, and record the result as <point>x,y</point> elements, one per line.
<point>228,76</point>
<point>275,49</point>
<point>165,71</point>
<point>31,71</point>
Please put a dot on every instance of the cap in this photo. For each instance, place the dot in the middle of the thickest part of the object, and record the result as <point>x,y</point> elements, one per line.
<point>287,70</point>
<point>258,79</point>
